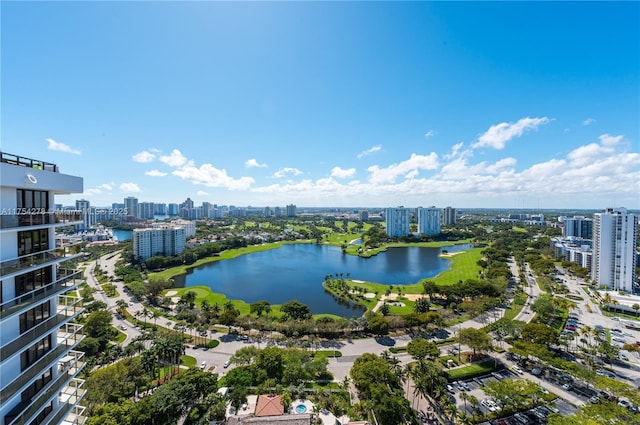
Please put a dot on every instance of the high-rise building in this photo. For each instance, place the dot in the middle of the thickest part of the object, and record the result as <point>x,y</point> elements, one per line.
<point>174,209</point>
<point>614,249</point>
<point>38,363</point>
<point>363,215</point>
<point>160,240</point>
<point>429,221</point>
<point>579,227</point>
<point>291,210</point>
<point>448,216</point>
<point>146,210</point>
<point>266,211</point>
<point>207,209</point>
<point>160,209</point>
<point>277,212</point>
<point>131,206</point>
<point>397,220</point>
<point>84,207</point>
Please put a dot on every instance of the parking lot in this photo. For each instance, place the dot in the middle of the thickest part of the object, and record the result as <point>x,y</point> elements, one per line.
<point>473,387</point>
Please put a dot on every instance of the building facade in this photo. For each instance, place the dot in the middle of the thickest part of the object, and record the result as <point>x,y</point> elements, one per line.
<point>429,221</point>
<point>397,221</point>
<point>146,210</point>
<point>160,240</point>
<point>614,249</point>
<point>131,206</point>
<point>448,216</point>
<point>578,226</point>
<point>291,210</point>
<point>38,363</point>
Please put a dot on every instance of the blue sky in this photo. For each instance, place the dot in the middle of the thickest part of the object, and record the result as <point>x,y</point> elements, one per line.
<point>477,104</point>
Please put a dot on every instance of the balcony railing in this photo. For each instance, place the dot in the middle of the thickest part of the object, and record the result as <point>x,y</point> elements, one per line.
<point>28,162</point>
<point>9,221</point>
<point>34,334</point>
<point>66,386</point>
<point>67,280</point>
<point>18,264</point>
<point>69,336</point>
<point>75,416</point>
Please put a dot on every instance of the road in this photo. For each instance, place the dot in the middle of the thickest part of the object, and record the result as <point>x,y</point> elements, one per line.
<point>351,349</point>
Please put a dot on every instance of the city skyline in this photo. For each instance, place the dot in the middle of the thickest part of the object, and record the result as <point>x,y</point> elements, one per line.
<point>329,104</point>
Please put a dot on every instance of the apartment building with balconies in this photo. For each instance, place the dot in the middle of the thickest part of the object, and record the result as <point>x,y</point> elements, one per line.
<point>38,363</point>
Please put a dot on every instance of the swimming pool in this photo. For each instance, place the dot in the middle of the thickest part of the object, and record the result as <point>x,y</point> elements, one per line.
<point>301,408</point>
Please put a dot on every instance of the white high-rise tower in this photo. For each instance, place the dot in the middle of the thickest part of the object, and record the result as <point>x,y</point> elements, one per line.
<point>38,363</point>
<point>614,249</point>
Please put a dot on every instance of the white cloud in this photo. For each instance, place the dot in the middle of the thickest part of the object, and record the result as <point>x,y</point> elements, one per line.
<point>130,188</point>
<point>390,173</point>
<point>342,173</point>
<point>92,191</point>
<point>588,121</point>
<point>175,159</point>
<point>155,173</point>
<point>287,170</point>
<point>61,147</point>
<point>106,186</point>
<point>608,140</point>
<point>144,156</point>
<point>498,135</point>
<point>430,133</point>
<point>202,193</point>
<point>369,151</point>
<point>211,176</point>
<point>590,172</point>
<point>253,163</point>
<point>455,149</point>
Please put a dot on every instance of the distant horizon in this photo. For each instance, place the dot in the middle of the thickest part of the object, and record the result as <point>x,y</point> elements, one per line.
<point>362,208</point>
<point>329,103</point>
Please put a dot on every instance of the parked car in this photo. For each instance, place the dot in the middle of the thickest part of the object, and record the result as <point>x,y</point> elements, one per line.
<point>517,370</point>
<point>226,364</point>
<point>522,419</point>
<point>450,388</point>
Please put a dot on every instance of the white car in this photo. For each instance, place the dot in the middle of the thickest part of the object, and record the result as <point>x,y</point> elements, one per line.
<point>517,370</point>
<point>226,364</point>
<point>203,365</point>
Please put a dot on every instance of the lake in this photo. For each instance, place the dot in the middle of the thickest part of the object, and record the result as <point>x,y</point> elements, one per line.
<point>297,271</point>
<point>123,235</point>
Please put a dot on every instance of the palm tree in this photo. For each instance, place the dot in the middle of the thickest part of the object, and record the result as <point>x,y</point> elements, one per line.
<point>464,397</point>
<point>154,315</point>
<point>145,313</point>
<point>636,307</point>
<point>121,307</point>
<point>149,362</point>
<point>215,309</point>
<point>606,300</point>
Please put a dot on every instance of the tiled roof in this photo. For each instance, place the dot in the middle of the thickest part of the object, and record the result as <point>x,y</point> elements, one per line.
<point>269,406</point>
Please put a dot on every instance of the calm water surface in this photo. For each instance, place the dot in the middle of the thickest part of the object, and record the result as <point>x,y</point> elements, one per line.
<point>297,272</point>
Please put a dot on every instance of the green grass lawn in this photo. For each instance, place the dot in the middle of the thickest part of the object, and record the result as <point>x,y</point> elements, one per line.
<point>516,306</point>
<point>121,337</point>
<point>188,361</point>
<point>472,370</point>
